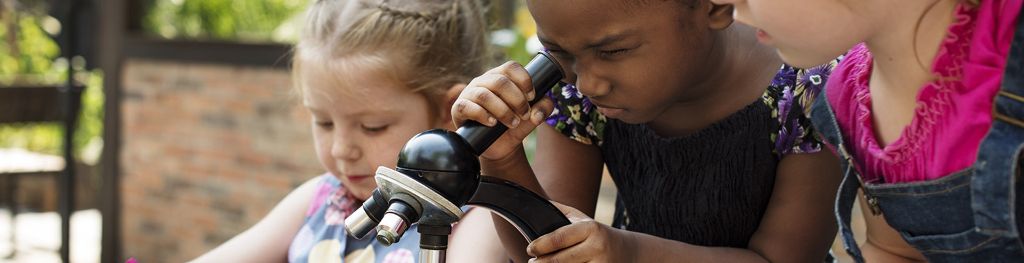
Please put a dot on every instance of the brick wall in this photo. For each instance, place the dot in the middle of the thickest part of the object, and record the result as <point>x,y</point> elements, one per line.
<point>207,151</point>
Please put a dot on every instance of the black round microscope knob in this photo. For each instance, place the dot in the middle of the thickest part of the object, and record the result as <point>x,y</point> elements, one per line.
<point>444,161</point>
<point>447,161</point>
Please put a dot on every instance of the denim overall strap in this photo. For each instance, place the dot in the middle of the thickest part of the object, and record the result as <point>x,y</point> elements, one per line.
<point>993,183</point>
<point>825,123</point>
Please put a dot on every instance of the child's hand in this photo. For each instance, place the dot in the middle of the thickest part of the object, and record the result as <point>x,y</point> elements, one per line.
<point>585,240</point>
<point>502,94</point>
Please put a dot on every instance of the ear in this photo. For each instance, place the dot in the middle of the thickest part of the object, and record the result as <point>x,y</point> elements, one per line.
<point>719,16</point>
<point>445,112</point>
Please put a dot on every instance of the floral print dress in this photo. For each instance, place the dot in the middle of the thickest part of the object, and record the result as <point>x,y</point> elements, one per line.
<point>323,238</point>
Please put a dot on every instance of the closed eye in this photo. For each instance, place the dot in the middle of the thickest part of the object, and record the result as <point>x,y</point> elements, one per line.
<point>557,52</point>
<point>614,52</point>
<point>374,129</point>
<point>325,125</point>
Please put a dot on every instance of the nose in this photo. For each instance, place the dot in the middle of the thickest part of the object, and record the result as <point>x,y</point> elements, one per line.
<point>345,148</point>
<point>589,83</point>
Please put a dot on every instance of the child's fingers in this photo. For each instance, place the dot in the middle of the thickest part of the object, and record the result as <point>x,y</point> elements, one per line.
<point>538,114</point>
<point>490,102</point>
<point>517,74</point>
<point>572,213</point>
<point>463,110</point>
<point>541,110</point>
<point>507,90</point>
<point>575,253</point>
<point>563,237</point>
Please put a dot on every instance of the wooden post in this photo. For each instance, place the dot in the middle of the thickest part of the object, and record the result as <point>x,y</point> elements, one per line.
<point>112,17</point>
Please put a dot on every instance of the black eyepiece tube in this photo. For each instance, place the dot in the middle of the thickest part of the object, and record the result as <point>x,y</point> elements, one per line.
<point>544,74</point>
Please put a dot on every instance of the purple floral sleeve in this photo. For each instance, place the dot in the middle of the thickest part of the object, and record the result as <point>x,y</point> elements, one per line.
<point>574,116</point>
<point>790,95</point>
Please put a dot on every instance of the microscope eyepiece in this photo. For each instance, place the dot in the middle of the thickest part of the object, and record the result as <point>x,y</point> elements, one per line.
<point>544,73</point>
<point>398,218</point>
<point>365,218</point>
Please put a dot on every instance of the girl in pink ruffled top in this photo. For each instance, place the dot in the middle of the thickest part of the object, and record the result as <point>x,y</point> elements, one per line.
<point>925,110</point>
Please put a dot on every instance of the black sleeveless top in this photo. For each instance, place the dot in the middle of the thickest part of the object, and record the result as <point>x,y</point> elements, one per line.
<point>707,189</point>
<point>710,188</point>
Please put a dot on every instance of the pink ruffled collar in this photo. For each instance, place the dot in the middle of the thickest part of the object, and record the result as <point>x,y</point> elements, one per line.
<point>934,99</point>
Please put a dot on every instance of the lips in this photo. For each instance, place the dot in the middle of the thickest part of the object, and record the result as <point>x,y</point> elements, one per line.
<point>763,37</point>
<point>348,172</point>
<point>608,111</point>
<point>356,178</point>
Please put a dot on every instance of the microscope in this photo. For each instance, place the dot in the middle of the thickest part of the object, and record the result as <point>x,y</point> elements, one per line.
<point>438,171</point>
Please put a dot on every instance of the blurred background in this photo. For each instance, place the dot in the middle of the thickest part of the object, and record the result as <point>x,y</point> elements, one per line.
<point>174,117</point>
<point>158,129</point>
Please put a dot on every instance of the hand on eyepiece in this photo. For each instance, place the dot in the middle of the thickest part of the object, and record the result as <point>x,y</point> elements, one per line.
<point>502,94</point>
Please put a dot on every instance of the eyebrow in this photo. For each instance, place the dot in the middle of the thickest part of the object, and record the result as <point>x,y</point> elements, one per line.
<point>367,112</point>
<point>606,40</point>
<point>546,42</point>
<point>609,39</point>
<point>314,110</point>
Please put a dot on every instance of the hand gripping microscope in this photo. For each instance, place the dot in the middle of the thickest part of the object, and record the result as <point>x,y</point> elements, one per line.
<point>439,171</point>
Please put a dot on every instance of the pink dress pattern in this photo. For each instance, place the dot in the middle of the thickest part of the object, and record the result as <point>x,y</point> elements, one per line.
<point>953,112</point>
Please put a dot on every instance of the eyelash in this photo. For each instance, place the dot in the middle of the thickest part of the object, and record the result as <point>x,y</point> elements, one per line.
<point>375,129</point>
<point>556,52</point>
<point>325,125</point>
<point>602,53</point>
<point>615,52</point>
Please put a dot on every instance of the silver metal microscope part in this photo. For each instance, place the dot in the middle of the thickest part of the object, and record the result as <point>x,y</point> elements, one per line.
<point>358,224</point>
<point>432,256</point>
<point>430,204</point>
<point>391,229</point>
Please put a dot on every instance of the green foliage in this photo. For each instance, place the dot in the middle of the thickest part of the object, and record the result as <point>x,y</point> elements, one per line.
<point>89,136</point>
<point>29,56</point>
<point>42,138</point>
<point>517,51</point>
<point>236,20</point>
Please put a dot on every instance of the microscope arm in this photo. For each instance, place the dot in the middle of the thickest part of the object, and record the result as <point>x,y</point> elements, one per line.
<point>533,215</point>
